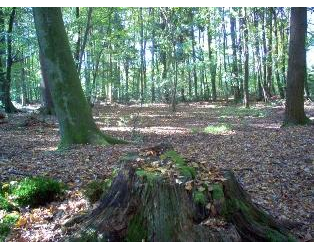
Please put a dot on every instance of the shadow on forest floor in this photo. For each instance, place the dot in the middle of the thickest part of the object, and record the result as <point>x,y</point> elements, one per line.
<point>275,165</point>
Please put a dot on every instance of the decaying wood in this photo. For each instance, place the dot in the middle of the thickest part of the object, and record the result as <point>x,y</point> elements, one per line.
<point>150,200</point>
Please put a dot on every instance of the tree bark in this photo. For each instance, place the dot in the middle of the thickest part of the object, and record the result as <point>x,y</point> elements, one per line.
<point>212,63</point>
<point>294,111</point>
<point>73,112</point>
<point>171,202</point>
<point>48,107</point>
<point>246,62</point>
<point>8,105</point>
<point>279,83</point>
<point>235,73</point>
<point>2,55</point>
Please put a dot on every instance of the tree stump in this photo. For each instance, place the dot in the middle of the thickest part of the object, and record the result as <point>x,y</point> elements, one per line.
<point>159,196</point>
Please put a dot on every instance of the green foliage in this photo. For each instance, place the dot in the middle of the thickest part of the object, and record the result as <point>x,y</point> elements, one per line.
<point>218,192</point>
<point>5,204</point>
<point>6,225</point>
<point>199,198</point>
<point>95,189</point>
<point>217,129</point>
<point>186,171</point>
<point>241,112</point>
<point>36,191</point>
<point>147,175</point>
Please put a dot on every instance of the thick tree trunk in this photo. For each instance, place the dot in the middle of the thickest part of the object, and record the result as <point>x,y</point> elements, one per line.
<point>158,196</point>
<point>294,112</point>
<point>73,112</point>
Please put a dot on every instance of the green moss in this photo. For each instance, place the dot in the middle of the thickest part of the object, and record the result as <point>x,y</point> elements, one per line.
<point>186,171</point>
<point>175,157</point>
<point>95,189</point>
<point>218,192</point>
<point>136,232</point>
<point>199,198</point>
<point>6,225</point>
<point>150,177</point>
<point>36,191</point>
<point>275,236</point>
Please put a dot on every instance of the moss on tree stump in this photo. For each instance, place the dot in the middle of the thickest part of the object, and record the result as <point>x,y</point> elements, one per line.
<point>158,196</point>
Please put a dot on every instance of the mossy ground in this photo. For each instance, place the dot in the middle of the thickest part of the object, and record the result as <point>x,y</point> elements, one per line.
<point>6,225</point>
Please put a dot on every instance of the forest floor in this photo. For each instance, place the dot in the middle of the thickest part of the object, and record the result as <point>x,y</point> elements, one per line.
<point>274,165</point>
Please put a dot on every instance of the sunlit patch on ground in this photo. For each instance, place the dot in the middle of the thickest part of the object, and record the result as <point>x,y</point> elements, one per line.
<point>273,164</point>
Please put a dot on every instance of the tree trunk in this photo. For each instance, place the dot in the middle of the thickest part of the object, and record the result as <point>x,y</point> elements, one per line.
<point>78,42</point>
<point>279,84</point>
<point>2,55</point>
<point>235,73</point>
<point>82,49</point>
<point>294,112</point>
<point>46,93</point>
<point>266,92</point>
<point>258,57</point>
<point>193,56</point>
<point>8,105</point>
<point>212,63</point>
<point>269,50</point>
<point>73,112</point>
<point>163,198</point>
<point>246,62</point>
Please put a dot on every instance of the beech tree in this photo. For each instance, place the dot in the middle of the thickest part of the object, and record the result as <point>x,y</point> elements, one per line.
<point>294,112</point>
<point>72,109</point>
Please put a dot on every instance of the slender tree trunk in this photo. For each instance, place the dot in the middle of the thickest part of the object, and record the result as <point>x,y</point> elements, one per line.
<point>246,61</point>
<point>87,29</point>
<point>78,42</point>
<point>258,58</point>
<point>194,63</point>
<point>240,42</point>
<point>2,55</point>
<point>266,92</point>
<point>269,50</point>
<point>279,84</point>
<point>294,112</point>
<point>212,63</point>
<point>235,73</point>
<point>8,105</point>
<point>72,109</point>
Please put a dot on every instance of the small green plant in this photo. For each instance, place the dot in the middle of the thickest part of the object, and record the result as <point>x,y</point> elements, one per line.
<point>217,129</point>
<point>199,197</point>
<point>35,191</point>
<point>184,169</point>
<point>6,225</point>
<point>95,189</point>
<point>5,204</point>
